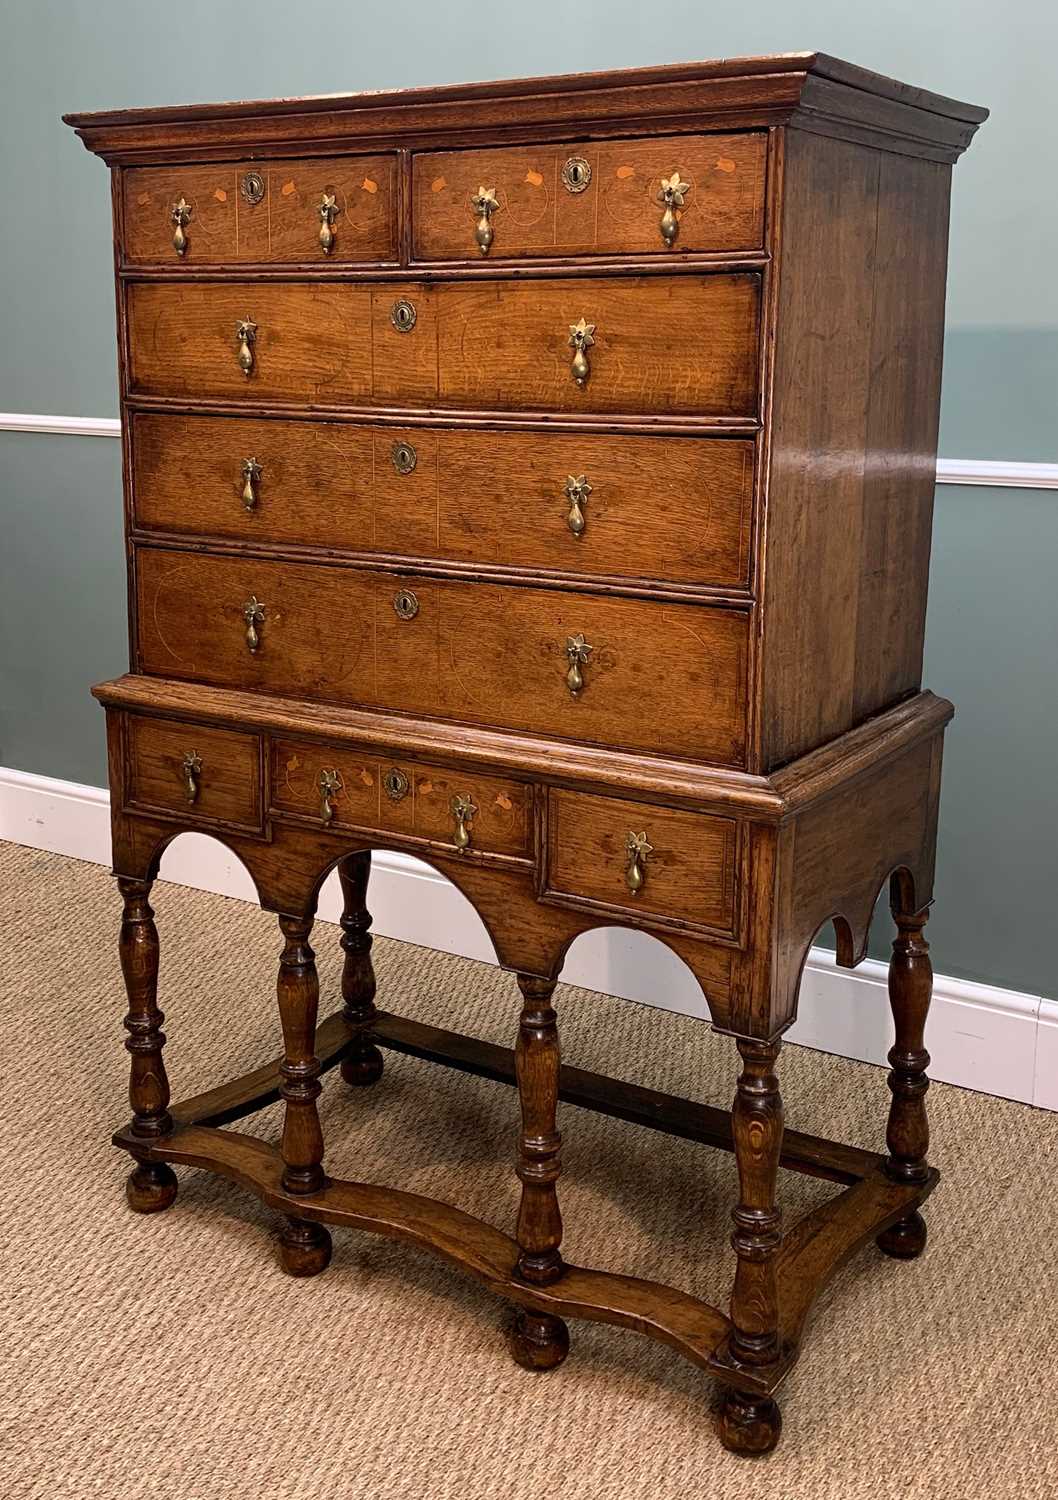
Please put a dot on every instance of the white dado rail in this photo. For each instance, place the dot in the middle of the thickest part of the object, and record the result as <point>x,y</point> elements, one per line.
<point>1001,472</point>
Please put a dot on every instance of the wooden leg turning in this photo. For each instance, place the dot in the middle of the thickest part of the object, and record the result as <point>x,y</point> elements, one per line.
<point>539,1341</point>
<point>305,1247</point>
<point>151,1186</point>
<point>752,1424</point>
<point>907,1134</point>
<point>363,1063</point>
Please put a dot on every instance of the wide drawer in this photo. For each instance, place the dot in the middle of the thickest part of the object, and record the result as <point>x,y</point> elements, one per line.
<point>213,774</point>
<point>681,867</point>
<point>659,344</point>
<point>265,211</point>
<point>591,197</point>
<point>467,812</point>
<point>664,677</point>
<point>677,509</point>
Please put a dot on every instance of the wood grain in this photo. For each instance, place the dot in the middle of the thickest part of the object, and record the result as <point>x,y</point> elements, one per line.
<point>686,345</point>
<point>618,212</point>
<point>227,785</point>
<point>479,653</point>
<point>676,509</point>
<point>225,228</point>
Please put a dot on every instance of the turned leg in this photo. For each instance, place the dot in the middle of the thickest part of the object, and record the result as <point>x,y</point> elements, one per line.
<point>151,1186</point>
<point>907,1134</point>
<point>751,1424</point>
<point>305,1247</point>
<point>362,1064</point>
<point>539,1341</point>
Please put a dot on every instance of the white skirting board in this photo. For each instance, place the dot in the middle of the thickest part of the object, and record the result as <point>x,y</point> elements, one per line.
<point>994,1040</point>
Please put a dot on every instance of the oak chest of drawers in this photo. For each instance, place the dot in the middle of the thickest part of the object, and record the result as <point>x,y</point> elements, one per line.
<point>537,477</point>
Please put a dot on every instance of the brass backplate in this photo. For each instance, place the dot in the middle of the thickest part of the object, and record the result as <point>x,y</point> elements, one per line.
<point>252,187</point>
<point>576,174</point>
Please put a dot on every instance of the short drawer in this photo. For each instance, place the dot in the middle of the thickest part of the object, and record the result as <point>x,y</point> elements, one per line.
<point>649,344</point>
<point>271,212</point>
<point>209,774</point>
<point>591,197</point>
<point>677,509</point>
<point>677,867</point>
<point>652,676</point>
<point>464,812</point>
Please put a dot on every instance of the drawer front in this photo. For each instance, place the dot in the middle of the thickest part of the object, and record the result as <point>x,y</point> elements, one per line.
<point>467,812</point>
<point>683,865</point>
<point>669,678</point>
<point>268,212</point>
<point>677,509</point>
<point>591,197</point>
<point>666,345</point>
<point>210,774</point>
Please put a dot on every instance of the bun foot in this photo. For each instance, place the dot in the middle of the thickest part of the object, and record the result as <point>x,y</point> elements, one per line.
<point>538,1341</point>
<point>304,1248</point>
<point>361,1069</point>
<point>150,1187</point>
<point>749,1425</point>
<point>906,1239</point>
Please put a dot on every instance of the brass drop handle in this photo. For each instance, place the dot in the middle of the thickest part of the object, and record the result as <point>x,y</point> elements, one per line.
<point>330,784</point>
<point>191,766</point>
<point>181,218</point>
<point>328,212</point>
<point>577,653</point>
<point>485,203</point>
<point>245,338</point>
<point>251,474</point>
<point>672,194</point>
<point>577,491</point>
<point>639,850</point>
<point>253,612</point>
<point>581,339</point>
<point>463,811</point>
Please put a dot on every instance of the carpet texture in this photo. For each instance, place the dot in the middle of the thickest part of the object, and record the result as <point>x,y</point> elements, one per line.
<point>169,1357</point>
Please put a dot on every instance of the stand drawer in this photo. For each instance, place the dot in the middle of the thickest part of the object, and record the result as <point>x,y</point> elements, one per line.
<point>678,868</point>
<point>591,197</point>
<point>467,812</point>
<point>212,774</point>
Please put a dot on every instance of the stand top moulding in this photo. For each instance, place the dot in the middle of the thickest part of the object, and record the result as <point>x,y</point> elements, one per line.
<point>807,89</point>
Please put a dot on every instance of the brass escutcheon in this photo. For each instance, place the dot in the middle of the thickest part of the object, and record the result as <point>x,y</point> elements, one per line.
<point>328,212</point>
<point>181,218</point>
<point>251,474</point>
<point>330,784</point>
<point>395,784</point>
<point>672,194</point>
<point>639,849</point>
<point>406,604</point>
<point>577,653</point>
<point>576,174</point>
<point>463,811</point>
<point>404,457</point>
<point>252,187</point>
<point>403,315</point>
<point>191,766</point>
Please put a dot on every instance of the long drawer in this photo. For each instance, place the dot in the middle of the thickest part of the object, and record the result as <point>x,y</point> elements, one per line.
<point>591,197</point>
<point>646,675</point>
<point>212,213</point>
<point>679,345</point>
<point>677,509</point>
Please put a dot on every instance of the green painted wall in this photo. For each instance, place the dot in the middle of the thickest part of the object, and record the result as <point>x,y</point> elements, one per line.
<point>993,621</point>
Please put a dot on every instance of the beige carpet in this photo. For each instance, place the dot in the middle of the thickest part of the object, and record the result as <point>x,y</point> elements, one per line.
<point>170,1357</point>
